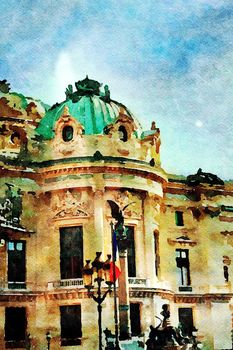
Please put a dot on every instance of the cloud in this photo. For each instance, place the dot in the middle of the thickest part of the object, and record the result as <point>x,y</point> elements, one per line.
<point>168,61</point>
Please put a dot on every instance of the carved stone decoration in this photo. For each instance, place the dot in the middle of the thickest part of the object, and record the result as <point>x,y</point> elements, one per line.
<point>70,212</point>
<point>11,207</point>
<point>183,241</point>
<point>122,120</point>
<point>226,260</point>
<point>67,120</point>
<point>227,233</point>
<point>71,203</point>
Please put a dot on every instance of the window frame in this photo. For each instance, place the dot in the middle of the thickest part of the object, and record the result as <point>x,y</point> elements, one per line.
<point>14,268</point>
<point>188,328</point>
<point>134,317</point>
<point>183,265</point>
<point>66,257</point>
<point>179,218</point>
<point>75,322</point>
<point>20,340</point>
<point>131,259</point>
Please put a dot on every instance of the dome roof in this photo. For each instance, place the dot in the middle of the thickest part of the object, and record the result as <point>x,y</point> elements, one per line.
<point>90,106</point>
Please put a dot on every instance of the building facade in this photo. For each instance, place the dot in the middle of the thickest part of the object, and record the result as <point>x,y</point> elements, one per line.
<point>60,166</point>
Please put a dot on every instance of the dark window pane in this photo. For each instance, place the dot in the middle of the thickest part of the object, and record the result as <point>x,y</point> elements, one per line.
<point>179,218</point>
<point>182,261</point>
<point>71,252</point>
<point>135,319</point>
<point>67,133</point>
<point>71,326</point>
<point>131,252</point>
<point>16,262</point>
<point>15,323</point>
<point>123,133</point>
<point>186,320</point>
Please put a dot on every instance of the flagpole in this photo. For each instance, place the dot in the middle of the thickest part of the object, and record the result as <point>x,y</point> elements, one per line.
<point>117,346</point>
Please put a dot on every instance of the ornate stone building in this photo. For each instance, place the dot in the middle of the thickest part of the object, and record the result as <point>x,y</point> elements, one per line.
<point>59,168</point>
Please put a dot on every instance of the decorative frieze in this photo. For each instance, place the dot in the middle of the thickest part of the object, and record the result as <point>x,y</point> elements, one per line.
<point>183,241</point>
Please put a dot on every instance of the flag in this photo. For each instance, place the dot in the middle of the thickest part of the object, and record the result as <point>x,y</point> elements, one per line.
<point>115,257</point>
<point>117,271</point>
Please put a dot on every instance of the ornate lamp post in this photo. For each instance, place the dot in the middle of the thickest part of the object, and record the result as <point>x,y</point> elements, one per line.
<point>48,338</point>
<point>119,238</point>
<point>98,270</point>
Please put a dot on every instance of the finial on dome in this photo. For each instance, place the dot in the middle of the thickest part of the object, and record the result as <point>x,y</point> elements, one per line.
<point>66,110</point>
<point>122,110</point>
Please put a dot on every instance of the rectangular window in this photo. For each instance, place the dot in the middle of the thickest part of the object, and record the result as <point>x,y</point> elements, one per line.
<point>71,325</point>
<point>182,261</point>
<point>71,252</point>
<point>186,320</point>
<point>15,327</point>
<point>179,218</point>
<point>131,251</point>
<point>135,320</point>
<point>16,272</point>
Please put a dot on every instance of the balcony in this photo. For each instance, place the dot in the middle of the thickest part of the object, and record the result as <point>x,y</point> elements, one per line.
<point>138,282</point>
<point>67,283</point>
<point>10,285</point>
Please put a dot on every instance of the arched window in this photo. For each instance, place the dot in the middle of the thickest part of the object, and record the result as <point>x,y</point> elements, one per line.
<point>67,133</point>
<point>123,135</point>
<point>15,138</point>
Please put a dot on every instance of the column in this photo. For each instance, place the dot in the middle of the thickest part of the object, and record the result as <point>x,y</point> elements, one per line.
<point>150,211</point>
<point>3,265</point>
<point>98,236</point>
<point>123,294</point>
<point>2,327</point>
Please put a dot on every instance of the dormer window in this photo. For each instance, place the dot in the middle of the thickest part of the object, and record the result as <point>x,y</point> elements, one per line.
<point>15,138</point>
<point>67,133</point>
<point>123,135</point>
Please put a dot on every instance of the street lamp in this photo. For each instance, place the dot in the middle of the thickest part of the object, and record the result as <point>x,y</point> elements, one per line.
<point>48,338</point>
<point>98,269</point>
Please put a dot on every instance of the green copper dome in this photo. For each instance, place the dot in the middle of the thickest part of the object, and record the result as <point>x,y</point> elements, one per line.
<point>91,107</point>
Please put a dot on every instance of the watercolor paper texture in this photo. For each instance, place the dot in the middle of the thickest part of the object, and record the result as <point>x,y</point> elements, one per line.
<point>116,137</point>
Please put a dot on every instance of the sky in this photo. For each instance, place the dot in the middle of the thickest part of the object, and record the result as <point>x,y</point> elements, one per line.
<point>168,61</point>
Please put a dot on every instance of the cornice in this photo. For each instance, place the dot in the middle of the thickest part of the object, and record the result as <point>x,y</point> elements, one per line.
<point>136,292</point>
<point>41,174</point>
<point>202,298</point>
<point>183,188</point>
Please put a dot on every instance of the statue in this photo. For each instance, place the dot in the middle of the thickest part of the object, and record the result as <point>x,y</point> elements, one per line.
<point>106,93</point>
<point>153,126</point>
<point>117,214</point>
<point>69,92</point>
<point>4,86</point>
<point>165,335</point>
<point>202,177</point>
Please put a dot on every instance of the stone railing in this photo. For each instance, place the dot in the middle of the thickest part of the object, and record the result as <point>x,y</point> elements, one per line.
<point>9,285</point>
<point>67,283</point>
<point>138,282</point>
